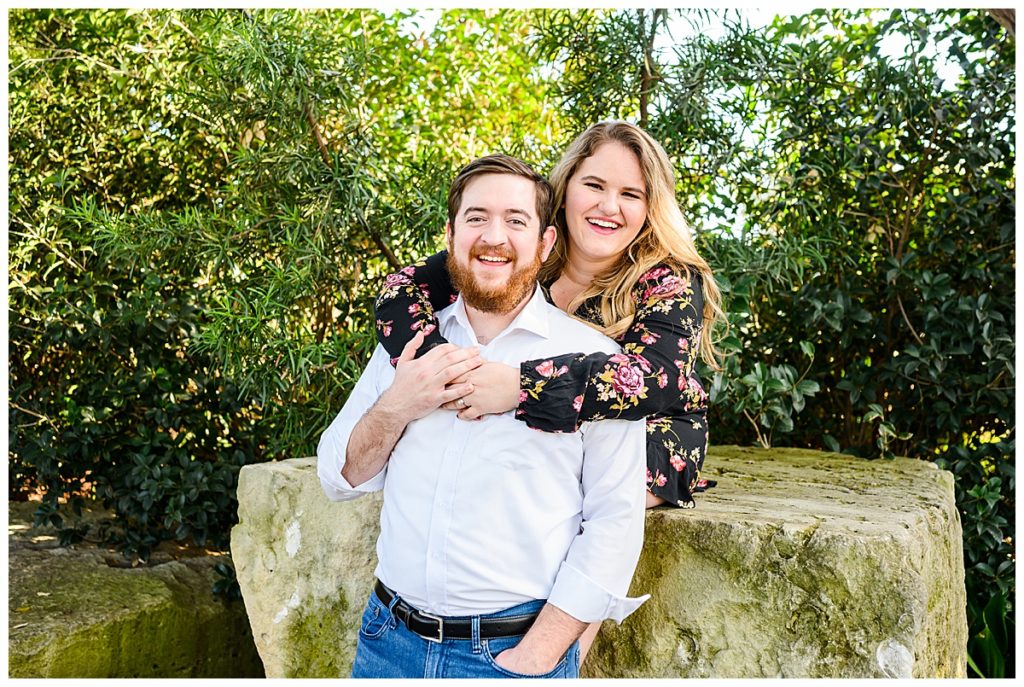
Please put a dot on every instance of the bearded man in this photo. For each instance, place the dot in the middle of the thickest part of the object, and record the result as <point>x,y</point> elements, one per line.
<point>499,544</point>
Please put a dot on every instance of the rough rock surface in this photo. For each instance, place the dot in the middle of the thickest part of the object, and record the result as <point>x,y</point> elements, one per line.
<point>798,564</point>
<point>73,615</point>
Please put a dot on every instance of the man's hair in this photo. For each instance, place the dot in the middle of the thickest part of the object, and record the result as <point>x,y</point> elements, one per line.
<point>502,164</point>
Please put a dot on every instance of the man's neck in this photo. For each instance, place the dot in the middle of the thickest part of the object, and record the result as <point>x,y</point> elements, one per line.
<point>487,325</point>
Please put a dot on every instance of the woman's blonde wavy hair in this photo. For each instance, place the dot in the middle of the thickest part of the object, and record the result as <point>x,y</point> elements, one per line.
<point>664,239</point>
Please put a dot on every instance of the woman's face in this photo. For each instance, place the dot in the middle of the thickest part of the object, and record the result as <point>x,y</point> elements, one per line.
<point>605,204</point>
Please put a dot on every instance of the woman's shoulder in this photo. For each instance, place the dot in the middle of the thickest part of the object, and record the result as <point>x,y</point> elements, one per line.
<point>667,279</point>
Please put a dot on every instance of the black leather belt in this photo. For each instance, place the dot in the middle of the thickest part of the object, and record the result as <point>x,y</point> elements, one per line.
<point>437,629</point>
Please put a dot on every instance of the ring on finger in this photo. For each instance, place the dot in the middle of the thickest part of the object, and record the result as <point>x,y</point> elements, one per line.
<point>461,403</point>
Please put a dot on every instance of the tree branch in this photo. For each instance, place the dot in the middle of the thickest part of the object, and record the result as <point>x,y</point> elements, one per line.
<point>325,155</point>
<point>1006,19</point>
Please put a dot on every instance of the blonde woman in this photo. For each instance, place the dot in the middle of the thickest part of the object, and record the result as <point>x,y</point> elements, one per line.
<point>625,263</point>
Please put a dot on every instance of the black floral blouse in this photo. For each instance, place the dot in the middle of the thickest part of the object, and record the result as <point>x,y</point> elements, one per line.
<point>654,378</point>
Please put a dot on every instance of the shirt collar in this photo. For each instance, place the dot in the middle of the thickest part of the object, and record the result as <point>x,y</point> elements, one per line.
<point>533,318</point>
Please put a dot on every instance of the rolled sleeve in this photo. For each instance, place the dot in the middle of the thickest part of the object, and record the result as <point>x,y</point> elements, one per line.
<point>593,581</point>
<point>587,600</point>
<point>333,446</point>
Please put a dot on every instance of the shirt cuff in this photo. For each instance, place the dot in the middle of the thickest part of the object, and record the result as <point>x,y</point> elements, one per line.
<point>337,488</point>
<point>588,601</point>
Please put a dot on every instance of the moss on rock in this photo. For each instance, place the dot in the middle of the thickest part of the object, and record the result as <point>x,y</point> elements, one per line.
<point>72,615</point>
<point>798,564</point>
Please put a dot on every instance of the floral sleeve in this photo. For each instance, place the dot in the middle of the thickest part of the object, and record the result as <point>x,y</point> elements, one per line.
<point>654,373</point>
<point>408,302</point>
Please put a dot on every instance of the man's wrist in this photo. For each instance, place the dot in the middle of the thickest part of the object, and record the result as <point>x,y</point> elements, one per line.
<point>539,656</point>
<point>392,411</point>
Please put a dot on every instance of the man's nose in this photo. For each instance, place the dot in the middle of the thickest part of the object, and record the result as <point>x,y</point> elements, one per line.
<point>494,233</point>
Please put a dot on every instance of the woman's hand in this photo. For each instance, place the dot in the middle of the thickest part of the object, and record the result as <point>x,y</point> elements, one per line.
<point>495,390</point>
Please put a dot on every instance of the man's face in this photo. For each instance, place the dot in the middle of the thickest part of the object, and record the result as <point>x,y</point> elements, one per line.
<point>495,247</point>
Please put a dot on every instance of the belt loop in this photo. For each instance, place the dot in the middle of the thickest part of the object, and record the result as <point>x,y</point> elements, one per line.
<point>475,631</point>
<point>391,608</point>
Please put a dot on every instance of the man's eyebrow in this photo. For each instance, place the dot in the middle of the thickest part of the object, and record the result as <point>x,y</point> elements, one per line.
<point>591,177</point>
<point>507,211</point>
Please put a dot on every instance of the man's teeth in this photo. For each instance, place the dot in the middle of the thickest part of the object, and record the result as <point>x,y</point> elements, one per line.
<point>606,225</point>
<point>492,258</point>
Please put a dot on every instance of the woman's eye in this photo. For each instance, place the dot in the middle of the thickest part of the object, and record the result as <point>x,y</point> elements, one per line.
<point>591,184</point>
<point>634,196</point>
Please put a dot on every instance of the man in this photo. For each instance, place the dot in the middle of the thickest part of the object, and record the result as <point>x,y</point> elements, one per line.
<point>499,544</point>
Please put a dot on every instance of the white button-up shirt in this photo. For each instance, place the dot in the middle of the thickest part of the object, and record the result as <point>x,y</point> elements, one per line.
<point>482,515</point>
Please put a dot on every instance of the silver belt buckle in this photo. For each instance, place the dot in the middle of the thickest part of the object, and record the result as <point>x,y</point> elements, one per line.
<point>440,627</point>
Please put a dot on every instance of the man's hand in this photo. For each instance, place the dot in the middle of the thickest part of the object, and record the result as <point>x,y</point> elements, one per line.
<point>422,386</point>
<point>495,391</point>
<point>417,390</point>
<point>544,645</point>
<point>518,661</point>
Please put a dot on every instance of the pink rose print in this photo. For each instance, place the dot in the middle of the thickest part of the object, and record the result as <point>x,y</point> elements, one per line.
<point>649,339</point>
<point>522,397</point>
<point>410,270</point>
<point>642,362</point>
<point>656,273</point>
<point>414,309</point>
<point>661,480</point>
<point>547,369</point>
<point>385,327</point>
<point>669,286</point>
<point>577,403</point>
<point>662,379</point>
<point>396,280</point>
<point>695,386</point>
<point>628,381</point>
<point>649,478</point>
<point>677,463</point>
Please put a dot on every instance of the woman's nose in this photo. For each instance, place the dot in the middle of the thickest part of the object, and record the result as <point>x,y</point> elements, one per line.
<point>609,204</point>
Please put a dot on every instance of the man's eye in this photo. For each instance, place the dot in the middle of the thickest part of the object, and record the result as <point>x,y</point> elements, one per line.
<point>474,219</point>
<point>517,221</point>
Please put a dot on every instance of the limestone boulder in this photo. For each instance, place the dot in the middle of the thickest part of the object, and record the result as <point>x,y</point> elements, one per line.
<point>305,566</point>
<point>798,564</point>
<point>72,615</point>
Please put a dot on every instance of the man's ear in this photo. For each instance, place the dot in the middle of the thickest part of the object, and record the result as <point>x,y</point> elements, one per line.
<point>448,236</point>
<point>548,239</point>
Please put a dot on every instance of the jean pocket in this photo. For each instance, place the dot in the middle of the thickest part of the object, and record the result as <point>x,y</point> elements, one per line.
<point>376,619</point>
<point>493,647</point>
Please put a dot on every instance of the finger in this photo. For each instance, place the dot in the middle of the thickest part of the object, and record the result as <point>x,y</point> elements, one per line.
<point>437,353</point>
<point>409,352</point>
<point>452,405</point>
<point>454,365</point>
<point>470,413</point>
<point>455,392</point>
<point>458,371</point>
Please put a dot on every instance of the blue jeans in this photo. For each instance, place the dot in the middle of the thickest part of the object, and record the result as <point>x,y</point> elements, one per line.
<point>387,648</point>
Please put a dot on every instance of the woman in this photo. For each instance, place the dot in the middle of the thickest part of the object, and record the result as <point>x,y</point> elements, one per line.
<point>625,263</point>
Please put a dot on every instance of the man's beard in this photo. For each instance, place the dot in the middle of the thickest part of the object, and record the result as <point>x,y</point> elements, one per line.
<point>501,299</point>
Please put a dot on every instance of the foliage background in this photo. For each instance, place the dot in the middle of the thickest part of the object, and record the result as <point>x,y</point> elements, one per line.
<point>202,204</point>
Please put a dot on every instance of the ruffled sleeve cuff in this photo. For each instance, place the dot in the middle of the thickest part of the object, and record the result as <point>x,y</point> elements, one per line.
<point>587,600</point>
<point>551,393</point>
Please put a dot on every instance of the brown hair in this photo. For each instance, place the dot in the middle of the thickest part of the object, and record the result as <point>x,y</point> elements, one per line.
<point>664,239</point>
<point>501,164</point>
